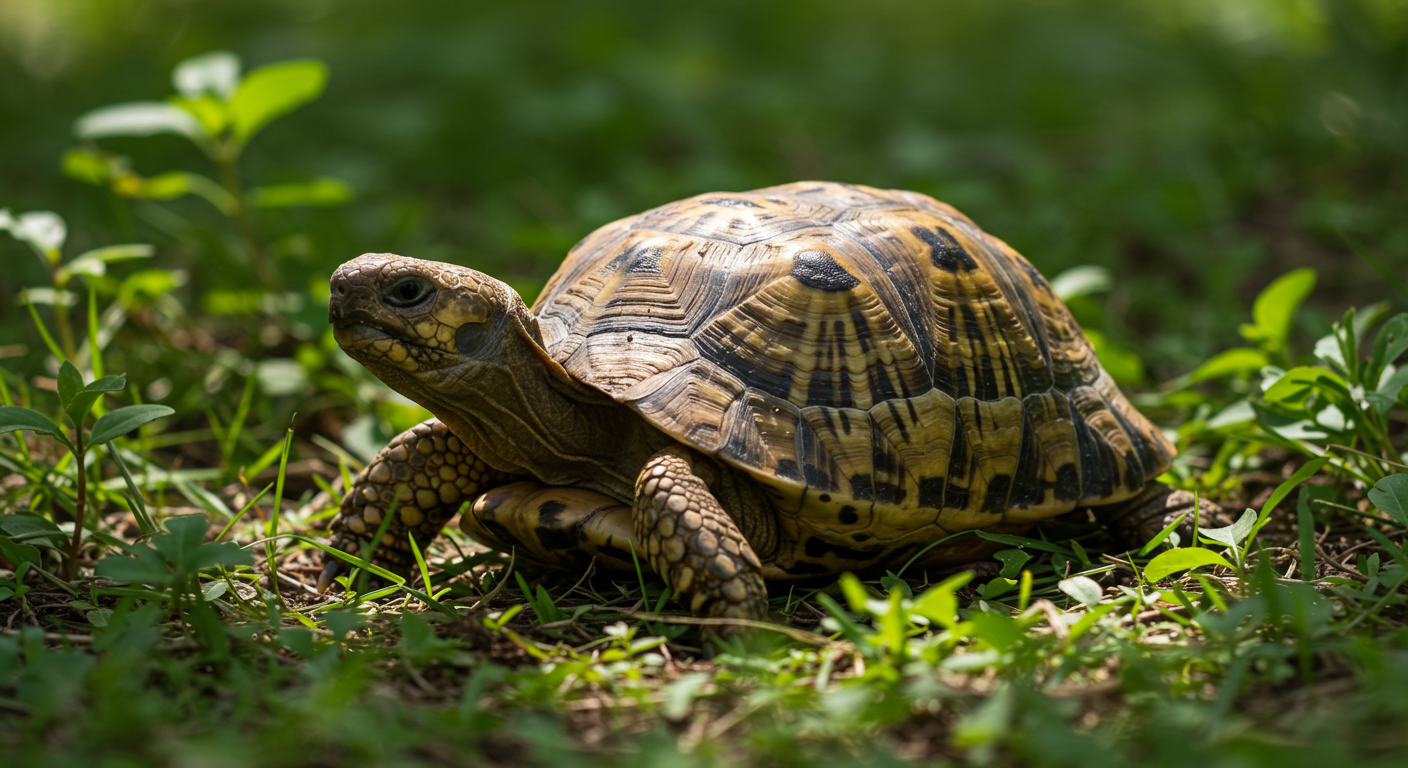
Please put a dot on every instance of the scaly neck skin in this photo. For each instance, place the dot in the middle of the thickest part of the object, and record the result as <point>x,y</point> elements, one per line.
<point>522,413</point>
<point>466,347</point>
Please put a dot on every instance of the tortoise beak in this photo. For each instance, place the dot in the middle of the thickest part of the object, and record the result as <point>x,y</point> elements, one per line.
<point>349,299</point>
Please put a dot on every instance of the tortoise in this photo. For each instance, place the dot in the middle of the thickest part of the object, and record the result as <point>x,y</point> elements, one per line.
<point>739,387</point>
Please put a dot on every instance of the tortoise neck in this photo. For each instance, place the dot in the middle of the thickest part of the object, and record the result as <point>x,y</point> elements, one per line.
<point>524,414</point>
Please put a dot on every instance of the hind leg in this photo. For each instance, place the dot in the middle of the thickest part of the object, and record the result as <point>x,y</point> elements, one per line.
<point>429,473</point>
<point>1135,521</point>
<point>560,527</point>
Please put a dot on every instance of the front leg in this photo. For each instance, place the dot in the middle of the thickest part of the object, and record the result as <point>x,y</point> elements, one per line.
<point>430,473</point>
<point>693,543</point>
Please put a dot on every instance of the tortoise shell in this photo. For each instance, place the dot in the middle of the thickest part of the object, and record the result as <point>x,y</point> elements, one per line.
<point>887,369</point>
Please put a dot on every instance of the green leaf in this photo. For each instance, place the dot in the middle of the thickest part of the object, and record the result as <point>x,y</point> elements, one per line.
<point>70,383</point>
<point>847,625</point>
<point>1081,281</point>
<point>1327,350</point>
<point>297,639</point>
<point>18,554</point>
<point>892,623</point>
<point>165,186</point>
<point>138,118</point>
<point>1181,559</point>
<point>1237,412</point>
<point>1012,561</point>
<point>1000,632</point>
<point>1387,395</point>
<point>116,423</point>
<point>212,112</point>
<point>147,567</point>
<point>86,165</point>
<point>50,298</point>
<point>1390,496</point>
<point>1124,365</point>
<point>1082,588</point>
<point>856,595</point>
<point>1392,340</point>
<point>81,405</point>
<point>1284,489</point>
<point>149,284</point>
<point>985,726</point>
<point>185,534</point>
<point>20,523</point>
<point>271,91</point>
<point>13,417</point>
<point>1297,384</point>
<point>680,694</point>
<point>184,547</point>
<point>1162,535</point>
<point>112,383</point>
<point>99,258</point>
<point>1294,429</point>
<point>939,604</point>
<point>1238,361</point>
<point>340,623</point>
<point>1023,541</point>
<point>419,642</point>
<point>892,581</point>
<point>215,73</point>
<point>325,191</point>
<point>95,263</point>
<point>80,266</point>
<point>1305,526</point>
<point>1274,307</point>
<point>1231,535</point>
<point>44,231</point>
<point>173,184</point>
<point>77,408</point>
<point>1347,336</point>
<point>996,587</point>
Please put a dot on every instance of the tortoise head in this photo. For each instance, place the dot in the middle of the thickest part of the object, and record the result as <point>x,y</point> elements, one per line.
<point>418,325</point>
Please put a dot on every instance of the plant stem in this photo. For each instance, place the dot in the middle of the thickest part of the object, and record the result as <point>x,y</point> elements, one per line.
<point>225,157</point>
<point>78,507</point>
<point>61,312</point>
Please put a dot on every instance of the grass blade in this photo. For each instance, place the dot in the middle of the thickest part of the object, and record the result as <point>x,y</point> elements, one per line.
<point>273,529</point>
<point>1305,533</point>
<point>134,496</point>
<point>43,329</point>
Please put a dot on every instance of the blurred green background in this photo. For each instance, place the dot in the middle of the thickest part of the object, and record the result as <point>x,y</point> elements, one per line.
<point>1195,148</point>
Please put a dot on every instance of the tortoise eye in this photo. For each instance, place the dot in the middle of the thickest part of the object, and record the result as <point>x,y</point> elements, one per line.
<point>409,292</point>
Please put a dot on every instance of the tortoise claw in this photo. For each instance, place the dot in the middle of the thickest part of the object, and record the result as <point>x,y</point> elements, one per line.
<point>330,572</point>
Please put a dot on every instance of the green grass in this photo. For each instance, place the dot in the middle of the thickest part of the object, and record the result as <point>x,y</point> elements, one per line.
<point>197,659</point>
<point>1218,195</point>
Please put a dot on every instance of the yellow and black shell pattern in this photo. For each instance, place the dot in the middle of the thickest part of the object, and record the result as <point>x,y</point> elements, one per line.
<point>891,372</point>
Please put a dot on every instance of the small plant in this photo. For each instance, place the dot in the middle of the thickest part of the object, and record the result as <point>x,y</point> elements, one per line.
<point>219,111</point>
<point>897,619</point>
<point>45,232</point>
<point>1237,537</point>
<point>174,561</point>
<point>77,399</point>
<point>1341,403</point>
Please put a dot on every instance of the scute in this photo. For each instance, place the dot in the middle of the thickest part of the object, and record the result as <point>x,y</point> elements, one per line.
<point>891,370</point>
